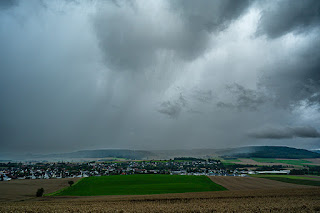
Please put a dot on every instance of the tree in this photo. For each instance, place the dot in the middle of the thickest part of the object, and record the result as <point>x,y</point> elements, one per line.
<point>40,192</point>
<point>70,182</point>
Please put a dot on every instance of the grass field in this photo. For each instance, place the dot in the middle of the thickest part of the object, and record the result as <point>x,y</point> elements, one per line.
<point>139,185</point>
<point>292,179</point>
<point>297,162</point>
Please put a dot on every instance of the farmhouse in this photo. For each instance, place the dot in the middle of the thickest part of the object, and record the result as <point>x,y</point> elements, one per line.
<point>281,172</point>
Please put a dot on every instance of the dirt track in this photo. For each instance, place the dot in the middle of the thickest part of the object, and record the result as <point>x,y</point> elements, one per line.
<point>251,183</point>
<point>16,190</point>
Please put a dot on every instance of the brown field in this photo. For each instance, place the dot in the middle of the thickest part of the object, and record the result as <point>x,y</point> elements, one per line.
<point>276,200</point>
<point>16,190</point>
<point>242,197</point>
<point>315,161</point>
<point>247,161</point>
<point>251,183</point>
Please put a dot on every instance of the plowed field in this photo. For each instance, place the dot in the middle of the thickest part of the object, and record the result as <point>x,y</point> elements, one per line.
<point>251,183</point>
<point>288,200</point>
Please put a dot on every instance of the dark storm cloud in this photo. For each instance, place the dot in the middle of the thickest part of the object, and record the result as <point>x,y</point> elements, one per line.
<point>64,84</point>
<point>132,38</point>
<point>285,132</point>
<point>297,78</point>
<point>286,16</point>
<point>210,15</point>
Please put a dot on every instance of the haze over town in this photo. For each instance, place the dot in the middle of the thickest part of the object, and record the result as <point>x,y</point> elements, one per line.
<point>158,74</point>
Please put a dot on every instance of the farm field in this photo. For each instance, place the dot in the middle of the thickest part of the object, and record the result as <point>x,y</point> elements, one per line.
<point>252,183</point>
<point>139,184</point>
<point>275,200</point>
<point>272,161</point>
<point>297,162</point>
<point>292,179</point>
<point>299,177</point>
<point>16,190</point>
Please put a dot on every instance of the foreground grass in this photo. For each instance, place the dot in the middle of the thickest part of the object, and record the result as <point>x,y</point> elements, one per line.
<point>292,179</point>
<point>139,185</point>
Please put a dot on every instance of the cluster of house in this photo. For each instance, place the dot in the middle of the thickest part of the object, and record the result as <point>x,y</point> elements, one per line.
<point>37,170</point>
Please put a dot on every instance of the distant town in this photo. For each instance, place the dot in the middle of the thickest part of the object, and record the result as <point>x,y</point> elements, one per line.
<point>177,166</point>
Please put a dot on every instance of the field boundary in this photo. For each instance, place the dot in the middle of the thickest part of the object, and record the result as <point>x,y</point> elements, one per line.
<point>60,190</point>
<point>297,181</point>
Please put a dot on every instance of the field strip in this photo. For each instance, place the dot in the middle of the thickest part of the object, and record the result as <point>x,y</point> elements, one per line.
<point>16,190</point>
<point>275,200</point>
<point>139,184</point>
<point>251,183</point>
<point>60,190</point>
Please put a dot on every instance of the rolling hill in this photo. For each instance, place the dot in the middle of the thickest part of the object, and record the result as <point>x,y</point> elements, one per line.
<point>271,152</point>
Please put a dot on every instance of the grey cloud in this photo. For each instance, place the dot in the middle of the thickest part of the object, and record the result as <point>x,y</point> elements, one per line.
<point>244,99</point>
<point>298,78</point>
<point>6,4</point>
<point>210,15</point>
<point>173,108</point>
<point>204,96</point>
<point>289,15</point>
<point>285,132</point>
<point>61,88</point>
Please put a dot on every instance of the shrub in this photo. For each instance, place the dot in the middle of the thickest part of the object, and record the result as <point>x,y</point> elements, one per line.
<point>70,182</point>
<point>40,192</point>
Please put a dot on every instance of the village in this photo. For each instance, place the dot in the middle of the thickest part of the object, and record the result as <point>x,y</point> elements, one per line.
<point>178,166</point>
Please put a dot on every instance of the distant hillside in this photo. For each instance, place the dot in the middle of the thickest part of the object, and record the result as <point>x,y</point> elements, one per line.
<point>242,152</point>
<point>271,152</point>
<point>103,153</point>
<point>316,151</point>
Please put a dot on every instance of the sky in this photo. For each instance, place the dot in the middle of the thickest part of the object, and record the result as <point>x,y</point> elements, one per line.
<point>161,74</point>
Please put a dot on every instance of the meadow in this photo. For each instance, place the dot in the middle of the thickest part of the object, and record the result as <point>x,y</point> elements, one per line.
<point>139,185</point>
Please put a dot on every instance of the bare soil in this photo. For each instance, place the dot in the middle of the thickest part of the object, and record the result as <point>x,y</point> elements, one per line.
<point>315,161</point>
<point>247,161</point>
<point>16,190</point>
<point>251,183</point>
<point>275,200</point>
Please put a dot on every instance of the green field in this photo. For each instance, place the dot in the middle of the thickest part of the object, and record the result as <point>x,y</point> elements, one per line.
<point>297,162</point>
<point>292,179</point>
<point>230,161</point>
<point>139,185</point>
